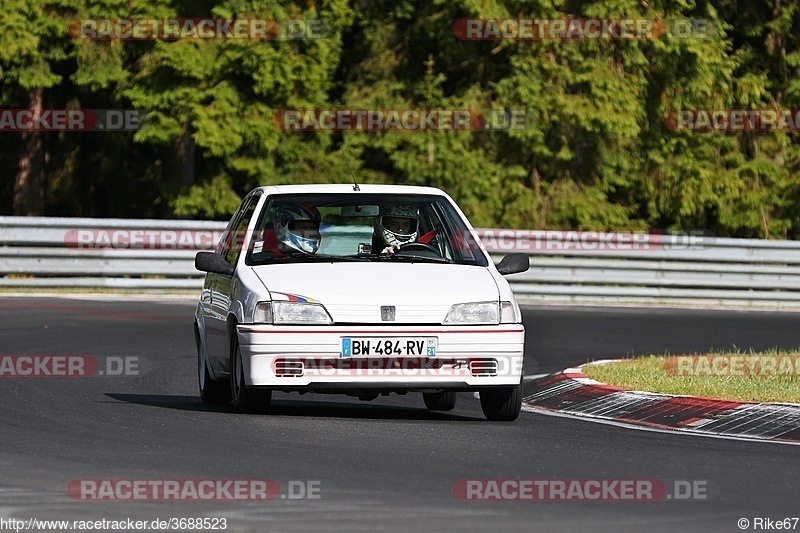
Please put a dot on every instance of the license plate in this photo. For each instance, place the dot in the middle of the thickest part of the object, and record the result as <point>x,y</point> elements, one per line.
<point>389,346</point>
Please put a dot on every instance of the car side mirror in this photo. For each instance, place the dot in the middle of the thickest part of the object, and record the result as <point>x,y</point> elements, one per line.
<point>212,262</point>
<point>514,264</point>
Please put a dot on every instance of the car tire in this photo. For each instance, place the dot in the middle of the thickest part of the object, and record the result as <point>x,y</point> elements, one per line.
<point>211,391</point>
<point>502,404</point>
<point>439,401</point>
<point>246,399</point>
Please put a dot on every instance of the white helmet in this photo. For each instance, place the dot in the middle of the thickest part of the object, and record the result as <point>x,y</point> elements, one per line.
<point>284,227</point>
<point>397,210</point>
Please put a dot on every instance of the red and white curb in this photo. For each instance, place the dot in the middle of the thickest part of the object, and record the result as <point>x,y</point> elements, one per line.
<point>571,393</point>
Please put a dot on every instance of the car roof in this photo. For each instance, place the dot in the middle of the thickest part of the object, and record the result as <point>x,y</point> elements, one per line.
<point>348,188</point>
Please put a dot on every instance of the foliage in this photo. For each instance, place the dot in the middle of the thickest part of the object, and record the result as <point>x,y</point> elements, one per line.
<point>595,153</point>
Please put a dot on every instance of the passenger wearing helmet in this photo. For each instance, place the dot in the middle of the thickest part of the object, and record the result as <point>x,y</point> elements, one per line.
<point>397,223</point>
<point>296,228</point>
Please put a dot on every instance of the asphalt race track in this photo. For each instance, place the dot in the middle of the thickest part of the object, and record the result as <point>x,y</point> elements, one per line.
<point>386,465</point>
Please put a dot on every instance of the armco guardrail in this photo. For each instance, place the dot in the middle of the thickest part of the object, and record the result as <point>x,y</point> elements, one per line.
<point>656,269</point>
<point>565,266</point>
<point>56,252</point>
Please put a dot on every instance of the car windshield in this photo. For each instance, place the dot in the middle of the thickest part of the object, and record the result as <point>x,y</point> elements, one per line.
<point>362,227</point>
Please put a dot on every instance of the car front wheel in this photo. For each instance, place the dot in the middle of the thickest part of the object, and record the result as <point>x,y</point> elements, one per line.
<point>211,391</point>
<point>439,401</point>
<point>246,400</point>
<point>502,404</point>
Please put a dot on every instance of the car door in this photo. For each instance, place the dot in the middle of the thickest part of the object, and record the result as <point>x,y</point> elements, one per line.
<point>222,286</point>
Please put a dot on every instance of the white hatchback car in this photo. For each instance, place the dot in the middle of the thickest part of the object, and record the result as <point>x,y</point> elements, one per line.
<point>361,290</point>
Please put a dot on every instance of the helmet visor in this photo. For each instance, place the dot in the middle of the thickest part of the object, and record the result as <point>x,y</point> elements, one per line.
<point>304,227</point>
<point>401,226</point>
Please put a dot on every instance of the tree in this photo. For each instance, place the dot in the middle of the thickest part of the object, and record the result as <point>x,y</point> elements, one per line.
<point>30,39</point>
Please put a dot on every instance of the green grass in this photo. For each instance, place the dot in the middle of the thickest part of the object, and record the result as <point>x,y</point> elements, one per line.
<point>651,374</point>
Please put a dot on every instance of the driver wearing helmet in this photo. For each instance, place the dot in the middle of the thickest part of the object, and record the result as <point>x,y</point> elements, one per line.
<point>296,228</point>
<point>397,223</point>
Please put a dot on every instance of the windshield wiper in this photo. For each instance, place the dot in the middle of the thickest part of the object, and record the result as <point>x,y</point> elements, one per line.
<point>404,257</point>
<point>421,258</point>
<point>302,257</point>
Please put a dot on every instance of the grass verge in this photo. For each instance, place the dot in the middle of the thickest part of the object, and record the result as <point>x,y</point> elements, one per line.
<point>772,376</point>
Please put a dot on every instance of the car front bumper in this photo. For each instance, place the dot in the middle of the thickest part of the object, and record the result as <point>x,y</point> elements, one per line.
<point>310,357</point>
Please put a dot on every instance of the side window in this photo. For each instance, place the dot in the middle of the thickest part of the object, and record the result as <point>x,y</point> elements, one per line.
<point>224,243</point>
<point>435,215</point>
<point>235,238</point>
<point>459,241</point>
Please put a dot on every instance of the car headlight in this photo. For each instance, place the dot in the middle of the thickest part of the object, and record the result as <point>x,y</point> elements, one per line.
<point>290,313</point>
<point>473,313</point>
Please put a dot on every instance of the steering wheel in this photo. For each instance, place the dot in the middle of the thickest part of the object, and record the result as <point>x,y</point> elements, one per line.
<point>420,246</point>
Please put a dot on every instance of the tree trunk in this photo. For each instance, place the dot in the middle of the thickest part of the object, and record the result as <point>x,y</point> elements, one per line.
<point>780,56</point>
<point>29,183</point>
<point>187,151</point>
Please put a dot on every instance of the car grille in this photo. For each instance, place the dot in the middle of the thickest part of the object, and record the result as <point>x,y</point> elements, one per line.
<point>289,368</point>
<point>483,367</point>
<point>293,368</point>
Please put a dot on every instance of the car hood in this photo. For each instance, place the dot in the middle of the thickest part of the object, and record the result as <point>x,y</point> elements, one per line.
<point>421,293</point>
